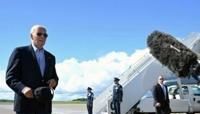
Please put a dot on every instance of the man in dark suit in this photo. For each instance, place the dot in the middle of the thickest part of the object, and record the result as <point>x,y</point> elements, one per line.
<point>117,95</point>
<point>161,99</point>
<point>31,67</point>
<point>90,98</point>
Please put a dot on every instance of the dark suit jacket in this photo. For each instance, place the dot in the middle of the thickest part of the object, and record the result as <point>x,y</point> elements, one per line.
<point>90,98</point>
<point>117,93</point>
<point>159,96</point>
<point>23,70</point>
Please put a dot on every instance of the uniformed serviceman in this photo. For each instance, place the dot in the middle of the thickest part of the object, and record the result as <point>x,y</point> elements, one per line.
<point>90,97</point>
<point>117,95</point>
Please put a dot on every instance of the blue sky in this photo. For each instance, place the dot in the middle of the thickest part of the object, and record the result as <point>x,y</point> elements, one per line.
<point>88,30</point>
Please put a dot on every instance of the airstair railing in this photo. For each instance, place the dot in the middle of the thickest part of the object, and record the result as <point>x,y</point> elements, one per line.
<point>101,100</point>
<point>136,69</point>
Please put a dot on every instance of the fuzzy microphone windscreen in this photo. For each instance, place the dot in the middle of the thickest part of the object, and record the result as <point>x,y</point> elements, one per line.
<point>172,53</point>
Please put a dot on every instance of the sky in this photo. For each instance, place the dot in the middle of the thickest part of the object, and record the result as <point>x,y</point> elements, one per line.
<point>93,40</point>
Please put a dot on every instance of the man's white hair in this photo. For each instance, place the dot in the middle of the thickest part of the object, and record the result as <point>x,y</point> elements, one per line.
<point>36,27</point>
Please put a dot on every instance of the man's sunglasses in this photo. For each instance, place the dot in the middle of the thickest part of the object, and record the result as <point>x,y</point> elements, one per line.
<point>161,79</point>
<point>44,34</point>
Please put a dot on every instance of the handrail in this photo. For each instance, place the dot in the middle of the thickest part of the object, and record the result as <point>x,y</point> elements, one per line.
<point>102,98</point>
<point>136,69</point>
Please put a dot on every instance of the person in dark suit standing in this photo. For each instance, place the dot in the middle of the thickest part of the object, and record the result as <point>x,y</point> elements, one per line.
<point>31,67</point>
<point>161,99</point>
<point>117,95</point>
<point>90,98</point>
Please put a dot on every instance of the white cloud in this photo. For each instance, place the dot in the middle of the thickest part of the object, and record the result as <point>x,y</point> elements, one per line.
<point>3,86</point>
<point>5,91</point>
<point>75,76</point>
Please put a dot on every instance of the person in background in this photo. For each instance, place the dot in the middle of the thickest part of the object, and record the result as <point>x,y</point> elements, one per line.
<point>161,99</point>
<point>31,67</point>
<point>90,98</point>
<point>117,95</point>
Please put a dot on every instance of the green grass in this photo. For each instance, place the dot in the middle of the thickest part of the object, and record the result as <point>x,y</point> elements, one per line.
<point>69,102</point>
<point>55,102</point>
<point>8,101</point>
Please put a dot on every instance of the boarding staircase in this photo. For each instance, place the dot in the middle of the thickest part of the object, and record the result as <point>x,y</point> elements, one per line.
<point>136,80</point>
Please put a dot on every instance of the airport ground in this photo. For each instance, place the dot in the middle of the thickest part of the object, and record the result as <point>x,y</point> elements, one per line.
<point>58,108</point>
<point>7,108</point>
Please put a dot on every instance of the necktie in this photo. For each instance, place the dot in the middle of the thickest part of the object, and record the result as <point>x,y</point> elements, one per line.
<point>41,60</point>
<point>164,91</point>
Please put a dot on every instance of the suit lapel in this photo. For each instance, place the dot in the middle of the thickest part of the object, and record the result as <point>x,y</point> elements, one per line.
<point>47,63</point>
<point>35,60</point>
<point>161,90</point>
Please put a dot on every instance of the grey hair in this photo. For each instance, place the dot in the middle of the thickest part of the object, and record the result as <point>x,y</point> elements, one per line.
<point>37,26</point>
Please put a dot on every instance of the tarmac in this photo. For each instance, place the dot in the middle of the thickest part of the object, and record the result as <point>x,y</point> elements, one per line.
<point>7,108</point>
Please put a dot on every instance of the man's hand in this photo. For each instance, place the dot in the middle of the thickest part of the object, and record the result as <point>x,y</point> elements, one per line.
<point>52,83</point>
<point>157,104</point>
<point>27,91</point>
